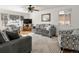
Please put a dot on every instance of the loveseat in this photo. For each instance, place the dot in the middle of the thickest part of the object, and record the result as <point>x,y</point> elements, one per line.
<point>45,30</point>
<point>15,44</point>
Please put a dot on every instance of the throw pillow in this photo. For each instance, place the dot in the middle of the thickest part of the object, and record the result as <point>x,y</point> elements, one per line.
<point>48,27</point>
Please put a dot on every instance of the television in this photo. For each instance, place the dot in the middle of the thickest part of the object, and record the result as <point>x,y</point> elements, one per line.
<point>27,21</point>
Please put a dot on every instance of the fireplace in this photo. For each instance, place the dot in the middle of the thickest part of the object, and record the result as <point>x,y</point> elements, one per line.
<point>27,25</point>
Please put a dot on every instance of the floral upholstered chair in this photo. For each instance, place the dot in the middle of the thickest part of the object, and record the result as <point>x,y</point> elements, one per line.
<point>69,39</point>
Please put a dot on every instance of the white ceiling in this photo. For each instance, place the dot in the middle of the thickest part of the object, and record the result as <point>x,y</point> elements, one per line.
<point>43,7</point>
<point>17,8</point>
<point>49,6</point>
<point>23,8</point>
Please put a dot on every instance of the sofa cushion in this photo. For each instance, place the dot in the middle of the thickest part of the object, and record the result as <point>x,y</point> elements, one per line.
<point>12,35</point>
<point>37,26</point>
<point>48,27</point>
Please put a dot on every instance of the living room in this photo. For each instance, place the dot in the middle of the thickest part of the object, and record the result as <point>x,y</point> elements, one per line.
<point>66,28</point>
<point>39,28</point>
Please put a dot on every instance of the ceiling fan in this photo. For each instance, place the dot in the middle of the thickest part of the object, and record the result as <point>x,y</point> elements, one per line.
<point>32,8</point>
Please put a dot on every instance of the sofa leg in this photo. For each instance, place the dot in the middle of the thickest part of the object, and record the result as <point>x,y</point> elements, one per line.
<point>61,50</point>
<point>50,36</point>
<point>29,52</point>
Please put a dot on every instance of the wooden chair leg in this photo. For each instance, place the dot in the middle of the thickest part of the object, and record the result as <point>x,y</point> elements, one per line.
<point>62,50</point>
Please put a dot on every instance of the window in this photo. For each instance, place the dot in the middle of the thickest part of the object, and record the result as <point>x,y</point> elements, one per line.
<point>64,17</point>
<point>4,18</point>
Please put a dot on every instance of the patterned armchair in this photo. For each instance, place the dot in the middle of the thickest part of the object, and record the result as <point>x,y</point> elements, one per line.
<point>69,41</point>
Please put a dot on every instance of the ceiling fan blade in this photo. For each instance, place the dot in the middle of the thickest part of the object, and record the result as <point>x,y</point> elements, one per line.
<point>36,10</point>
<point>32,8</point>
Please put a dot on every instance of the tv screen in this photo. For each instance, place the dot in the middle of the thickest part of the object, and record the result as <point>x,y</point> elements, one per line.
<point>27,21</point>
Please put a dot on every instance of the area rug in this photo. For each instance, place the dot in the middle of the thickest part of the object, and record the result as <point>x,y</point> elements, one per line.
<point>43,44</point>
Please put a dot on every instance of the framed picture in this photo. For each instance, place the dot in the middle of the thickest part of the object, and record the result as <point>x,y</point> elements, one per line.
<point>46,17</point>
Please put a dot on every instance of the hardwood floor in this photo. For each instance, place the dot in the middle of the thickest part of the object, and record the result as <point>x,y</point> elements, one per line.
<point>24,33</point>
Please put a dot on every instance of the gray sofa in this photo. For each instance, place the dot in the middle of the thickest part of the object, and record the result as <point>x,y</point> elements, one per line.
<point>45,30</point>
<point>13,28</point>
<point>69,40</point>
<point>19,45</point>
